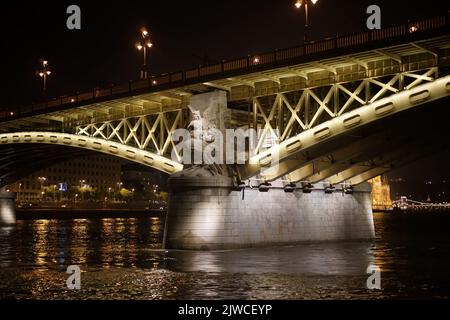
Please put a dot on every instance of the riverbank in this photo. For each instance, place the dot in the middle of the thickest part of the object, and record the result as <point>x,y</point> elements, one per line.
<point>63,214</point>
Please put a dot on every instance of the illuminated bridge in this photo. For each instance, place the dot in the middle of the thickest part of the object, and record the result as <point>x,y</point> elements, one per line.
<point>337,112</point>
<point>406,204</point>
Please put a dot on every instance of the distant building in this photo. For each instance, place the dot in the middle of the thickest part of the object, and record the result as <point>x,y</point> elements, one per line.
<point>99,172</point>
<point>143,179</point>
<point>381,193</point>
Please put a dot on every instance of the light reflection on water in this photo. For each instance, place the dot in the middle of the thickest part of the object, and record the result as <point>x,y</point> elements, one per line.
<point>122,258</point>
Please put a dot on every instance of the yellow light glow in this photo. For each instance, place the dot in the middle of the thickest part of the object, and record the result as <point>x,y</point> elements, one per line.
<point>413,29</point>
<point>298,4</point>
<point>314,1</point>
<point>139,47</point>
<point>49,72</point>
<point>144,33</point>
<point>149,44</point>
<point>381,193</point>
<point>41,74</point>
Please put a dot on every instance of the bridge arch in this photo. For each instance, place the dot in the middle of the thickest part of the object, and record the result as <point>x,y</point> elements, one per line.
<point>288,151</point>
<point>111,148</point>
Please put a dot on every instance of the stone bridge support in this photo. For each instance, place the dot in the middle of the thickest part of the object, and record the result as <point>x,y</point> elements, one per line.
<point>205,213</point>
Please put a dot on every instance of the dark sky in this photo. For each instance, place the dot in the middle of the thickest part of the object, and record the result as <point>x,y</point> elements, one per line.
<point>103,51</point>
<point>183,32</point>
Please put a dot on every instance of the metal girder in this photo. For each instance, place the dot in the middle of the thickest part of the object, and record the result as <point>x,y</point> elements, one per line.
<point>298,73</point>
<point>383,161</point>
<point>243,82</point>
<point>402,139</point>
<point>217,86</point>
<point>366,114</point>
<point>359,62</point>
<point>313,106</point>
<point>427,49</point>
<point>361,150</point>
<point>271,78</point>
<point>389,55</point>
<point>152,132</point>
<point>171,95</point>
<point>325,67</point>
<point>133,154</point>
<point>300,169</point>
<point>377,171</point>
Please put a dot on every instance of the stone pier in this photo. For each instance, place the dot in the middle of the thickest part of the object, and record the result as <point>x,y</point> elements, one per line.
<point>205,213</point>
<point>7,208</point>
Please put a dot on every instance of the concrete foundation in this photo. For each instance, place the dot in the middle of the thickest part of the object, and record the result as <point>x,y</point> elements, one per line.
<point>206,214</point>
<point>7,208</point>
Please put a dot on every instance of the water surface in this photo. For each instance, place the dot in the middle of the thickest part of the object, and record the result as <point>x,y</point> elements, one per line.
<point>122,259</point>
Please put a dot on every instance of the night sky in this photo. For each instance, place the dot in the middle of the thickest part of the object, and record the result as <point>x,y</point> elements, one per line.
<point>185,34</point>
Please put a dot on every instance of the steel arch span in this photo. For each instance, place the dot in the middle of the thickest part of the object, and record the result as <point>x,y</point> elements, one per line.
<point>111,148</point>
<point>289,154</point>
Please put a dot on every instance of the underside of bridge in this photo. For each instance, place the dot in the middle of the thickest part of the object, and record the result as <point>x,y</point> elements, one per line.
<point>19,161</point>
<point>330,115</point>
<point>372,150</point>
<point>354,156</point>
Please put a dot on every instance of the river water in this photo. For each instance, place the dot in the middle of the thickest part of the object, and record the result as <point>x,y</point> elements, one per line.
<point>122,259</point>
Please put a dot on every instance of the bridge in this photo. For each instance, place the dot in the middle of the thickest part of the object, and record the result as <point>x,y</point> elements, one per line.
<point>406,204</point>
<point>331,114</point>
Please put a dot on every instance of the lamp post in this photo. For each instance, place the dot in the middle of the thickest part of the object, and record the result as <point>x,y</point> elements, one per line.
<point>306,4</point>
<point>18,193</point>
<point>44,73</point>
<point>42,180</point>
<point>82,185</point>
<point>143,45</point>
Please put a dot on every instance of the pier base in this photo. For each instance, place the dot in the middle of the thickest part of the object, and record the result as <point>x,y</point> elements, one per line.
<point>7,208</point>
<point>206,214</point>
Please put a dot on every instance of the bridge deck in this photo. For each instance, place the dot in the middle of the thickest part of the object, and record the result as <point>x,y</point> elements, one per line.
<point>346,58</point>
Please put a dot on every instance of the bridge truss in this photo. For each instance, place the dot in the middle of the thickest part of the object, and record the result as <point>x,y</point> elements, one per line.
<point>325,114</point>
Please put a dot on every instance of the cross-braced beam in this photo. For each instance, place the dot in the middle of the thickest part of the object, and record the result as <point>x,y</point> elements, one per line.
<point>151,132</point>
<point>363,115</point>
<point>291,113</point>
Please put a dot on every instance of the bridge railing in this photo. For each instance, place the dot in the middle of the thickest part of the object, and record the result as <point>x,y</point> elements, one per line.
<point>245,64</point>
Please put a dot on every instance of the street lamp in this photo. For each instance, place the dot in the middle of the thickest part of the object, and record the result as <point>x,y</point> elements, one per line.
<point>82,187</point>
<point>143,45</point>
<point>44,73</point>
<point>305,3</point>
<point>18,193</point>
<point>42,180</point>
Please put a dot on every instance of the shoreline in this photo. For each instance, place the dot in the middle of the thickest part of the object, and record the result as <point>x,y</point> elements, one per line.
<point>36,214</point>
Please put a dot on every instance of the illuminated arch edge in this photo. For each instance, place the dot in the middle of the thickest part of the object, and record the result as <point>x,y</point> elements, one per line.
<point>111,148</point>
<point>384,108</point>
